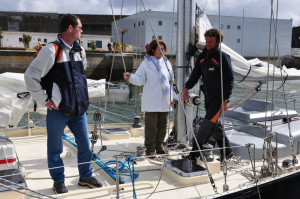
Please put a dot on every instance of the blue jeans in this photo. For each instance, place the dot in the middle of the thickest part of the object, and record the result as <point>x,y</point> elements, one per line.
<point>56,123</point>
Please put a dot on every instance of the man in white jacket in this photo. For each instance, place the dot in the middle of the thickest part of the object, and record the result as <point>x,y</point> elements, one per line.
<point>155,73</point>
<point>62,75</point>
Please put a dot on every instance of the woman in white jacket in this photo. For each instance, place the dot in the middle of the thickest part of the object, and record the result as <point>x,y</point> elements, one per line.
<point>155,73</point>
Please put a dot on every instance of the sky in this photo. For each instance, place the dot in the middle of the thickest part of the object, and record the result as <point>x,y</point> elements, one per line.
<point>287,9</point>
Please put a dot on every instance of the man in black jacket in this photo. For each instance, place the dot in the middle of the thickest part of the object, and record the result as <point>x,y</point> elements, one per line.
<point>208,67</point>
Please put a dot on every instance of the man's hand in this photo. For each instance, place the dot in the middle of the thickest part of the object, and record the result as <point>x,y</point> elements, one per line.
<point>225,105</point>
<point>185,94</point>
<point>126,75</point>
<point>50,105</point>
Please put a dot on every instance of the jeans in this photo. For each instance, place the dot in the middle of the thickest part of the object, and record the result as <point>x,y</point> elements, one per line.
<point>56,123</point>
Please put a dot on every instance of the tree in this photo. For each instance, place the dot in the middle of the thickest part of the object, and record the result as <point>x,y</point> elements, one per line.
<point>94,47</point>
<point>1,36</point>
<point>116,45</point>
<point>123,33</point>
<point>26,40</point>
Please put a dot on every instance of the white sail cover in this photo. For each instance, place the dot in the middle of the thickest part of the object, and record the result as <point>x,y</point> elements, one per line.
<point>254,72</point>
<point>12,107</point>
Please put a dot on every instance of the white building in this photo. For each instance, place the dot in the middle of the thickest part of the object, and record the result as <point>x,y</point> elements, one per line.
<point>247,36</point>
<point>14,39</point>
<point>252,38</point>
<point>140,32</point>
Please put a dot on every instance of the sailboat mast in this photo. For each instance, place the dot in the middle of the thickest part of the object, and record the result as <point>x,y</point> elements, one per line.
<point>185,23</point>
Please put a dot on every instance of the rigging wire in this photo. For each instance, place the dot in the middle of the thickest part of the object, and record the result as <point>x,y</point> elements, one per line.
<point>172,24</point>
<point>276,44</point>
<point>172,79</point>
<point>121,9</point>
<point>117,32</point>
<point>23,187</point>
<point>203,7</point>
<point>253,166</point>
<point>136,53</point>
<point>172,29</point>
<point>295,161</point>
<point>267,84</point>
<point>197,144</point>
<point>225,186</point>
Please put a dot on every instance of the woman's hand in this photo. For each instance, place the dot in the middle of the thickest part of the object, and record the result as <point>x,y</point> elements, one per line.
<point>126,75</point>
<point>173,102</point>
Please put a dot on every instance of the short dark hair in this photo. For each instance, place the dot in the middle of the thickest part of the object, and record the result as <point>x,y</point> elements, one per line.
<point>153,45</point>
<point>214,33</point>
<point>67,20</point>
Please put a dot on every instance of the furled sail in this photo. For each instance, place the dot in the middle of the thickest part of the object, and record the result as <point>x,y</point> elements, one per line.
<point>15,101</point>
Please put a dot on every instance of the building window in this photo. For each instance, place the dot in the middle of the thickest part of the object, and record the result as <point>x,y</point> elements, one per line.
<point>39,39</point>
<point>153,37</point>
<point>99,44</point>
<point>228,26</point>
<point>139,23</point>
<point>134,25</point>
<point>160,37</point>
<point>89,44</point>
<point>142,23</point>
<point>160,23</point>
<point>20,39</point>
<point>238,41</point>
<point>45,40</point>
<point>238,27</point>
<point>175,23</point>
<point>221,26</point>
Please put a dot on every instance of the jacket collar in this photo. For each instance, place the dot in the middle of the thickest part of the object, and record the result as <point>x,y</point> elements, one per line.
<point>75,47</point>
<point>211,51</point>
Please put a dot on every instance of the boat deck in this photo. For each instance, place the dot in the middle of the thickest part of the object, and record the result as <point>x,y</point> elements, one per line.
<point>32,153</point>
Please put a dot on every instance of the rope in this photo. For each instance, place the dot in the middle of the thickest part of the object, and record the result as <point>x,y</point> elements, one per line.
<point>243,96</point>
<point>23,187</point>
<point>112,113</point>
<point>160,176</point>
<point>133,176</point>
<point>253,166</point>
<point>117,31</point>
<point>204,7</point>
<point>197,144</point>
<point>135,157</point>
<point>295,161</point>
<point>242,102</point>
<point>267,89</point>
<point>123,168</point>
<point>172,80</point>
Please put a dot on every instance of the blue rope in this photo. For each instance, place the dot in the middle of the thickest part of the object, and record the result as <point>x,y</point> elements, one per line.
<point>132,174</point>
<point>97,160</point>
<point>122,167</point>
<point>111,171</point>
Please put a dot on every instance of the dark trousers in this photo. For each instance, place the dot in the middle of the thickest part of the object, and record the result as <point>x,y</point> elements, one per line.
<point>155,130</point>
<point>210,127</point>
